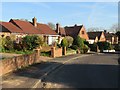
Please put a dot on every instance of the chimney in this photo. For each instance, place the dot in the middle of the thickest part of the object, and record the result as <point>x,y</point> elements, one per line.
<point>75,25</point>
<point>105,31</point>
<point>34,22</point>
<point>58,28</point>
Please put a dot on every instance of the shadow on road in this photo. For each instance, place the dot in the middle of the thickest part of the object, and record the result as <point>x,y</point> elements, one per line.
<point>86,76</point>
<point>81,76</point>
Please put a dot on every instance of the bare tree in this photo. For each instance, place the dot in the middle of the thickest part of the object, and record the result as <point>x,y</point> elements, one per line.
<point>95,29</point>
<point>51,25</point>
<point>114,28</point>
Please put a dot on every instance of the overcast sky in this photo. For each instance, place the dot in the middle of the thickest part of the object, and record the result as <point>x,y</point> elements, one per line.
<point>90,14</point>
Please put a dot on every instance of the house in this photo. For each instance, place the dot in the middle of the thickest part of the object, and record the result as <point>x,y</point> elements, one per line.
<point>7,28</point>
<point>97,36</point>
<point>111,37</point>
<point>72,31</point>
<point>23,27</point>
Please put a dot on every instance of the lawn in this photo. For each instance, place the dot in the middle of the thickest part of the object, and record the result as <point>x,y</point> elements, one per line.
<point>70,51</point>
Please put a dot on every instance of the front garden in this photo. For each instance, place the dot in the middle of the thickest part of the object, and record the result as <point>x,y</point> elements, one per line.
<point>27,44</point>
<point>24,46</point>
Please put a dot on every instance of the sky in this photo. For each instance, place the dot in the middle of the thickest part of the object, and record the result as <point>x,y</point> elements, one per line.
<point>90,14</point>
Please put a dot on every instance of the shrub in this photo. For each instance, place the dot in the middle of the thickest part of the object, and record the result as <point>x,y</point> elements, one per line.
<point>64,43</point>
<point>69,40</point>
<point>18,46</point>
<point>48,53</point>
<point>104,45</point>
<point>79,42</point>
<point>32,41</point>
<point>110,47</point>
<point>2,44</point>
<point>86,43</point>
<point>93,47</point>
<point>75,47</point>
<point>85,49</point>
<point>9,43</point>
<point>117,47</point>
<point>13,37</point>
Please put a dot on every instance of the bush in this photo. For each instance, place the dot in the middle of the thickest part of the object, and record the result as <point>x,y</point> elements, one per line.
<point>93,47</point>
<point>110,47</point>
<point>86,43</point>
<point>75,47</point>
<point>104,46</point>
<point>32,41</point>
<point>69,40</point>
<point>85,49</point>
<point>117,47</point>
<point>48,53</point>
<point>79,42</point>
<point>2,44</point>
<point>18,46</point>
<point>64,43</point>
<point>9,43</point>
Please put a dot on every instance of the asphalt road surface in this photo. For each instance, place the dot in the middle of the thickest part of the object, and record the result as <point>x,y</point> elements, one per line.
<point>96,71</point>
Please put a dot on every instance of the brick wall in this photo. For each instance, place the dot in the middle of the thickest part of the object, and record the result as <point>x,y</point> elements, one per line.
<point>102,37</point>
<point>83,35</point>
<point>18,62</point>
<point>56,52</point>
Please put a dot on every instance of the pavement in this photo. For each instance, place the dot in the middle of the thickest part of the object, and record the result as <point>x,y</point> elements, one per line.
<point>33,75</point>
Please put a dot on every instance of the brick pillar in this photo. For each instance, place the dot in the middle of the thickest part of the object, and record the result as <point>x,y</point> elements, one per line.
<point>64,50</point>
<point>37,54</point>
<point>97,49</point>
<point>53,52</point>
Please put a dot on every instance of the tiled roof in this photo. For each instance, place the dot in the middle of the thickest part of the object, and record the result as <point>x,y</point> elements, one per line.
<point>93,35</point>
<point>26,26</point>
<point>45,29</point>
<point>73,30</point>
<point>11,27</point>
<point>110,35</point>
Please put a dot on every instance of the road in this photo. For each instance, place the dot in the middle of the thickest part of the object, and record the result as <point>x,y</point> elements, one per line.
<point>96,71</point>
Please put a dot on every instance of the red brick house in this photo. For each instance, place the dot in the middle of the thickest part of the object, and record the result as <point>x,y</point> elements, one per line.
<point>72,31</point>
<point>8,28</point>
<point>22,27</point>
<point>111,37</point>
<point>97,36</point>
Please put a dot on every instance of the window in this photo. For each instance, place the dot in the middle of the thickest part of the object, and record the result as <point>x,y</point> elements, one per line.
<point>2,35</point>
<point>82,32</point>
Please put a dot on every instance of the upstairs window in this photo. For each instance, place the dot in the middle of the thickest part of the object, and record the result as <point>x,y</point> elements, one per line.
<point>82,32</point>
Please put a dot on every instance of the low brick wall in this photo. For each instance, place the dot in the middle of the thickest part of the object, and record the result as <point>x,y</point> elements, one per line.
<point>56,52</point>
<point>18,62</point>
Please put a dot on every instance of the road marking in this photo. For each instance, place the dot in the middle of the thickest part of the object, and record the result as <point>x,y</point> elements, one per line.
<point>54,68</point>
